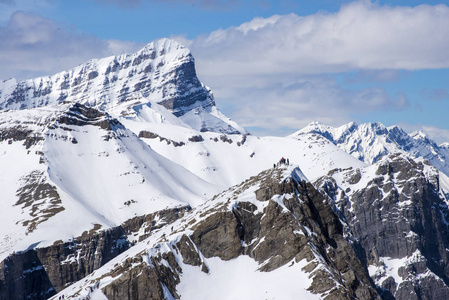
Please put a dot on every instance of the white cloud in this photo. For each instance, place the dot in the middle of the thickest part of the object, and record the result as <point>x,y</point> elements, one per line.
<point>261,70</point>
<point>279,105</point>
<point>362,35</point>
<point>33,46</point>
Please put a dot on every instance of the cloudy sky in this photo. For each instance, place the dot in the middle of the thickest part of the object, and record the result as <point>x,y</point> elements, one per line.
<point>274,66</point>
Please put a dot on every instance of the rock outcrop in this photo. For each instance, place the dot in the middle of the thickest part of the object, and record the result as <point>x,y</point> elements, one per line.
<point>41,272</point>
<point>395,211</point>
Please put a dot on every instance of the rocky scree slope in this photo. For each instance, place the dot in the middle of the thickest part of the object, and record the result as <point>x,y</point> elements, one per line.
<point>397,212</point>
<point>277,220</point>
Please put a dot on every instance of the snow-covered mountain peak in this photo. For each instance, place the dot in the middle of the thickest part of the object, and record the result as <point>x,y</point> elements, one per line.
<point>163,46</point>
<point>370,141</point>
<point>419,135</point>
<point>162,72</point>
<point>314,125</point>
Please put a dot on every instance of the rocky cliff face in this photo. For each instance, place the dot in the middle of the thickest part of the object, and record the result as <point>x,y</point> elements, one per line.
<point>163,69</point>
<point>396,212</point>
<point>276,219</point>
<point>41,272</point>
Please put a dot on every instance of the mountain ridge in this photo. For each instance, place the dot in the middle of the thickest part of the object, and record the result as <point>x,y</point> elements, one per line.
<point>369,142</point>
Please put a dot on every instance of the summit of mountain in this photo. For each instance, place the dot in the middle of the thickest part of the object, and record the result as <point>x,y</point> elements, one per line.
<point>163,72</point>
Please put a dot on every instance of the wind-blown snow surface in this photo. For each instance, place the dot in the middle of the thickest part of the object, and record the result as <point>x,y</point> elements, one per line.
<point>76,176</point>
<point>248,284</point>
<point>370,141</point>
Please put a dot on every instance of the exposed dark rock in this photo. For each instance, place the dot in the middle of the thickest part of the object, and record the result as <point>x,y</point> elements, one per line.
<point>224,138</point>
<point>41,272</point>
<point>242,142</point>
<point>137,280</point>
<point>21,133</point>
<point>189,254</point>
<point>92,75</point>
<point>22,276</point>
<point>184,79</point>
<point>40,197</point>
<point>147,223</point>
<point>217,236</point>
<point>399,215</point>
<point>81,115</point>
<point>148,134</point>
<point>152,135</point>
<point>274,239</point>
<point>196,138</point>
<point>136,283</point>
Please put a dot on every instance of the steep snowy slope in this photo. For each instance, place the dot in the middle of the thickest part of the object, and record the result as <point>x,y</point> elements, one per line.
<point>71,168</point>
<point>270,237</point>
<point>371,141</point>
<point>162,72</point>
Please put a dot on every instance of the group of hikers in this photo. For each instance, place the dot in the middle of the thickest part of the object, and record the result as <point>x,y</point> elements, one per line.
<point>282,161</point>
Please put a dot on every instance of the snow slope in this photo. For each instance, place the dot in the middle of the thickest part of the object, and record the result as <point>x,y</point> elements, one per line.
<point>229,159</point>
<point>78,148</point>
<point>76,176</point>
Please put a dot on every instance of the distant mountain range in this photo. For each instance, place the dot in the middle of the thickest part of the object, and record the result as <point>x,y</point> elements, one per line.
<point>371,141</point>
<point>122,180</point>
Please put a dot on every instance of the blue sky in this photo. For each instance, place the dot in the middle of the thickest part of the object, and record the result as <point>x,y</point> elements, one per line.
<point>274,66</point>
